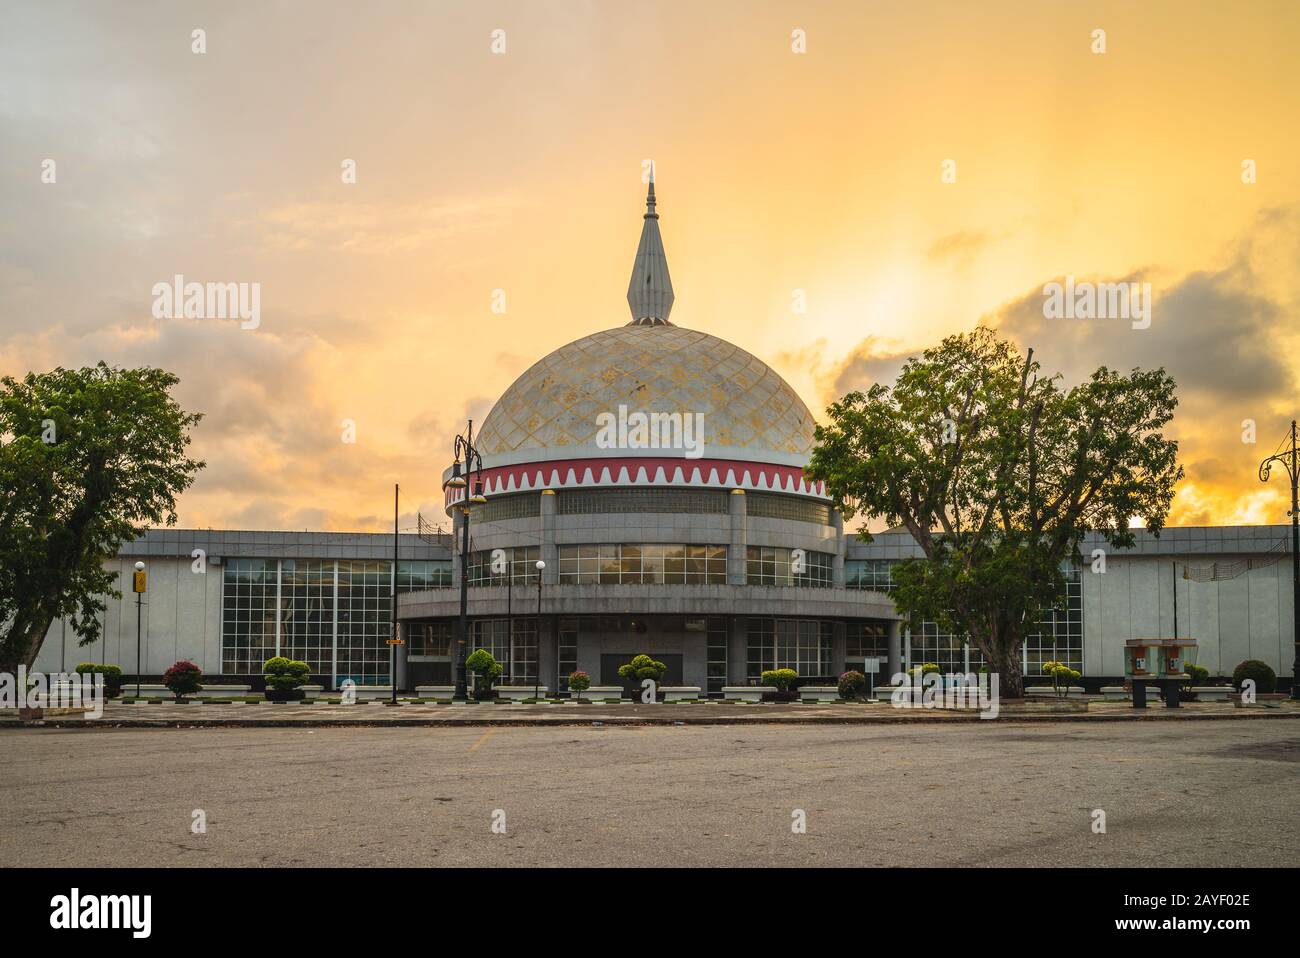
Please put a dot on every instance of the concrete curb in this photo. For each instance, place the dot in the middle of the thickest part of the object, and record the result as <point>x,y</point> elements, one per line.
<point>928,717</point>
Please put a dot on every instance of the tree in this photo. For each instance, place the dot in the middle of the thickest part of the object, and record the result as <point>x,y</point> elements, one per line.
<point>89,458</point>
<point>997,472</point>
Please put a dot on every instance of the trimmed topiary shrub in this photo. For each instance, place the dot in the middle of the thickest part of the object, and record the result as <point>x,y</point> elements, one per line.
<point>1062,677</point>
<point>284,679</point>
<point>112,676</point>
<point>852,684</point>
<point>643,667</point>
<point>183,678</point>
<point>1265,678</point>
<point>579,682</point>
<point>486,670</point>
<point>1196,674</point>
<point>780,679</point>
<point>925,668</point>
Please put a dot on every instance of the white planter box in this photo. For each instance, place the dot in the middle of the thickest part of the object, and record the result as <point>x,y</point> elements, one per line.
<point>743,693</point>
<point>441,692</point>
<point>517,693</point>
<point>1117,693</point>
<point>598,692</point>
<point>220,691</point>
<point>311,691</point>
<point>819,693</point>
<point>1212,693</point>
<point>680,693</point>
<point>368,693</point>
<point>1046,691</point>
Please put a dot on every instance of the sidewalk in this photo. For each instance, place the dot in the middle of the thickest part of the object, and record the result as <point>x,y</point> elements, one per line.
<point>237,714</point>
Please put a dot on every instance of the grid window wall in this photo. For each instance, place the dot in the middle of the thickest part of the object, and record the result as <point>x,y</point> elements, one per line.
<point>501,508</point>
<point>869,574</point>
<point>716,659</point>
<point>866,640</point>
<point>767,506</point>
<point>800,644</point>
<point>413,575</point>
<point>765,565</point>
<point>307,613</point>
<point>248,615</point>
<point>517,654</point>
<point>364,606</point>
<point>1059,635</point>
<point>521,560</point>
<point>429,638</point>
<point>644,564</point>
<point>948,651</point>
<point>566,654</point>
<point>678,501</point>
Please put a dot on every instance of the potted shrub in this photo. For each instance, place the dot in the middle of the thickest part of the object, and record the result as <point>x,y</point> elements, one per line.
<point>285,678</point>
<point>642,667</point>
<point>486,670</point>
<point>782,680</point>
<point>852,683</point>
<point>579,682</point>
<point>112,677</point>
<point>1062,677</point>
<point>1196,675</point>
<point>917,672</point>
<point>183,678</point>
<point>1265,678</point>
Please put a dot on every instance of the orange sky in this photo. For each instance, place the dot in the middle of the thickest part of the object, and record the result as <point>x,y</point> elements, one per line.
<point>521,171</point>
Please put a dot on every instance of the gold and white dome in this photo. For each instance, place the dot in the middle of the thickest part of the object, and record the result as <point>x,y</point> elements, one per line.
<point>546,430</point>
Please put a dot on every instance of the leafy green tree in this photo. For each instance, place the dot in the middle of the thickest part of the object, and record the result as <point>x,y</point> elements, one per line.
<point>997,472</point>
<point>89,458</point>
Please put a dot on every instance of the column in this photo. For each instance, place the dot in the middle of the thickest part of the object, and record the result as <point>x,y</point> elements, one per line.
<point>546,535</point>
<point>737,651</point>
<point>739,540</point>
<point>895,661</point>
<point>837,563</point>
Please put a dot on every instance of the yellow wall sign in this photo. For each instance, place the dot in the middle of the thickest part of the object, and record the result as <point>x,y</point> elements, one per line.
<point>139,584</point>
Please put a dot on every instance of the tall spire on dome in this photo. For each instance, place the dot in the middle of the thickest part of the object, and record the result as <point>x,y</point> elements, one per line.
<point>650,293</point>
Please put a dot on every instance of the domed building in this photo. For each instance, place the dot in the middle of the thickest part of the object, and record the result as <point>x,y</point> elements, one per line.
<point>657,473</point>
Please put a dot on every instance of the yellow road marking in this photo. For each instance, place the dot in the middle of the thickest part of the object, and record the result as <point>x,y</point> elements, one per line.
<point>482,739</point>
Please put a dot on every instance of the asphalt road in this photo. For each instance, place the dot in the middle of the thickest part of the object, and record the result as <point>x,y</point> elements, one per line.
<point>1187,793</point>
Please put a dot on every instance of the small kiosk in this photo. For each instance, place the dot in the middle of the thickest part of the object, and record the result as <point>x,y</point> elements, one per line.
<point>1157,661</point>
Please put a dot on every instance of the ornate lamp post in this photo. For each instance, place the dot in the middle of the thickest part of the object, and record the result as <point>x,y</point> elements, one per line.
<point>537,668</point>
<point>464,449</point>
<point>1290,461</point>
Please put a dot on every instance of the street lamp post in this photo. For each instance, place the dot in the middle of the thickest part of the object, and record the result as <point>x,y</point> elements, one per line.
<point>1290,460</point>
<point>537,665</point>
<point>464,448</point>
<point>139,582</point>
